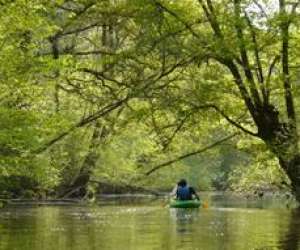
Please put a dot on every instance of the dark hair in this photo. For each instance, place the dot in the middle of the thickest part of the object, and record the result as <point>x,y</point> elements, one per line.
<point>182,183</point>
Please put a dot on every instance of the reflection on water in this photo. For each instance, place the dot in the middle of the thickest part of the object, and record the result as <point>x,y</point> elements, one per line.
<point>183,219</point>
<point>290,240</point>
<point>226,224</point>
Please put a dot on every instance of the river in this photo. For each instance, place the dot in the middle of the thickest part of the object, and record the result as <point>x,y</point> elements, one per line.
<point>229,222</point>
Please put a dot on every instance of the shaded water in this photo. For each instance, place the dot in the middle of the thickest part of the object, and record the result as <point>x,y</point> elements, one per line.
<point>228,223</point>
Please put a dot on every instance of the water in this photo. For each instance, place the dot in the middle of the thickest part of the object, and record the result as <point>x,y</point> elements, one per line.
<point>229,223</point>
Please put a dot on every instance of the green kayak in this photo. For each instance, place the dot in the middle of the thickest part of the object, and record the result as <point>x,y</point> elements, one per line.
<point>185,204</point>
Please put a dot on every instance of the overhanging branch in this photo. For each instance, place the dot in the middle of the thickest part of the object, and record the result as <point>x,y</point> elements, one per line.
<point>222,113</point>
<point>162,165</point>
<point>104,111</point>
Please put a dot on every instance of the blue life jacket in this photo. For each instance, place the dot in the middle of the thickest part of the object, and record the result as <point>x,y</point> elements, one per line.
<point>183,193</point>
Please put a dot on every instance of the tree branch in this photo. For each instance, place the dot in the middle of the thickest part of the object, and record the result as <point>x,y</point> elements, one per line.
<point>209,12</point>
<point>244,55</point>
<point>172,13</point>
<point>270,71</point>
<point>104,111</point>
<point>222,113</point>
<point>234,123</point>
<point>67,51</point>
<point>101,76</point>
<point>239,82</point>
<point>260,74</point>
<point>285,64</point>
<point>261,8</point>
<point>228,61</point>
<point>176,130</point>
<point>190,154</point>
<point>78,30</point>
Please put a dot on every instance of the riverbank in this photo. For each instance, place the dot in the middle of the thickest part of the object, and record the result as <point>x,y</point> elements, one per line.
<point>233,199</point>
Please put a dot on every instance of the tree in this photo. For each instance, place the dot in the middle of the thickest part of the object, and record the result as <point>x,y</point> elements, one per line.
<point>257,49</point>
<point>173,65</point>
<point>217,46</point>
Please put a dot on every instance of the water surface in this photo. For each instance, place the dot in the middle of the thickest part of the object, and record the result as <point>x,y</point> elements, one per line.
<point>144,224</point>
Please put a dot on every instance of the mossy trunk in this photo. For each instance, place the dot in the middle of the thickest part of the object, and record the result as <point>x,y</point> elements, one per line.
<point>292,169</point>
<point>78,188</point>
<point>282,139</point>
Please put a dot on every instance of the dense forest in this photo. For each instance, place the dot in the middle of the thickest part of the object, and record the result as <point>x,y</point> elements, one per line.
<point>131,95</point>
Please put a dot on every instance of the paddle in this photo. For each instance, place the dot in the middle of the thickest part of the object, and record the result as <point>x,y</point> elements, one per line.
<point>166,202</point>
<point>205,204</point>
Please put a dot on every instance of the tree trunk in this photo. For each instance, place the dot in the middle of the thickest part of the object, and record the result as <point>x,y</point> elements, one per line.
<point>292,169</point>
<point>79,186</point>
<point>281,138</point>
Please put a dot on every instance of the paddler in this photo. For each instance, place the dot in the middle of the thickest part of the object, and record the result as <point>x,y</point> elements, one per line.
<point>184,192</point>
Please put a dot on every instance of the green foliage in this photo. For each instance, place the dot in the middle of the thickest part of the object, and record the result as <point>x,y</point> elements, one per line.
<point>260,171</point>
<point>263,173</point>
<point>111,89</point>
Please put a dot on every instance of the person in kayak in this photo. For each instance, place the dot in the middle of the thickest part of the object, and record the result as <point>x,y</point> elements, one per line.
<point>184,192</point>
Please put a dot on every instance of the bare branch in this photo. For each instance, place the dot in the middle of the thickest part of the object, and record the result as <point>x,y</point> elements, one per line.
<point>261,8</point>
